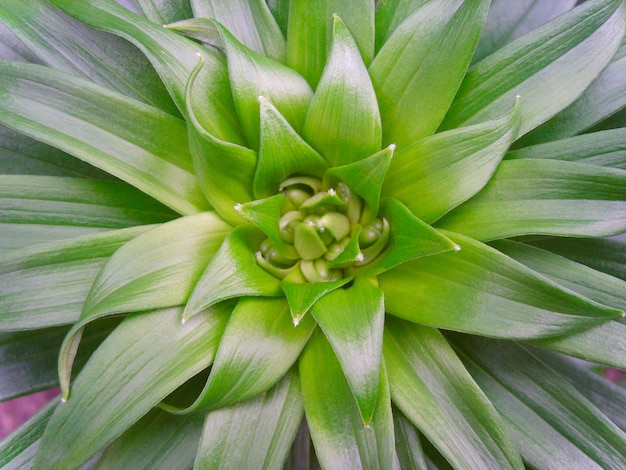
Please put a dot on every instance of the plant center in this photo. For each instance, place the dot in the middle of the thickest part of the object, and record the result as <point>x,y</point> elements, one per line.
<point>324,233</point>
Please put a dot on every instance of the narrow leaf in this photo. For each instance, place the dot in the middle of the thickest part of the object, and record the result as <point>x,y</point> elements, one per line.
<point>577,45</point>
<point>100,127</point>
<point>46,285</point>
<point>481,291</point>
<point>544,197</point>
<point>301,296</point>
<point>261,429</point>
<point>310,27</point>
<point>408,442</point>
<point>352,320</point>
<point>158,352</point>
<point>552,424</point>
<point>165,11</point>
<point>339,435</point>
<point>250,21</point>
<point>390,14</point>
<point>431,50</point>
<point>12,49</point>
<point>259,346</point>
<point>343,122</point>
<point>434,391</point>
<point>439,172</point>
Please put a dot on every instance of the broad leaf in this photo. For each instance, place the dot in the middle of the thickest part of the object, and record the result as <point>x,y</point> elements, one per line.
<point>46,285</point>
<point>100,127</point>
<point>576,45</point>
<point>603,148</point>
<point>439,172</point>
<point>434,391</point>
<point>174,440</point>
<point>250,21</point>
<point>310,27</point>
<point>390,14</point>
<point>341,439</point>
<point>261,430</point>
<point>38,209</point>
<point>343,122</point>
<point>545,197</point>
<point>352,320</point>
<point>158,352</point>
<point>441,36</point>
<point>259,346</point>
<point>67,45</point>
<point>552,424</point>
<point>479,290</point>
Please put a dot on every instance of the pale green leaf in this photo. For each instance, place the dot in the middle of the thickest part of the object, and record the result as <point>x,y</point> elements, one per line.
<point>343,122</point>
<point>390,14</point>
<point>165,11</point>
<point>408,442</point>
<point>544,197</point>
<point>603,148</point>
<point>250,21</point>
<point>259,346</point>
<point>12,49</point>
<point>480,290</point>
<point>233,272</point>
<point>158,352</point>
<point>172,440</point>
<point>434,391</point>
<point>439,172</point>
<point>302,295</point>
<point>46,285</point>
<point>261,430</point>
<point>576,45</point>
<point>200,29</point>
<point>553,425</point>
<point>508,20</point>
<point>352,320</point>
<point>67,45</point>
<point>38,209</point>
<point>340,438</point>
<point>101,127</point>
<point>280,11</point>
<point>310,30</point>
<point>429,51</point>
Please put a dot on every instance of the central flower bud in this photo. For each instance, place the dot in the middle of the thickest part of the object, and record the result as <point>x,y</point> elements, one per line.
<point>325,233</point>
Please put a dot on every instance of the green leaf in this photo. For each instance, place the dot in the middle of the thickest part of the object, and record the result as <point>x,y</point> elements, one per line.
<point>340,438</point>
<point>38,209</point>
<point>100,127</point>
<point>259,346</point>
<point>410,238</point>
<point>408,442</point>
<point>552,424</point>
<point>200,29</point>
<point>21,155</point>
<point>606,255</point>
<point>353,319</point>
<point>158,352</point>
<point>282,153</point>
<point>604,97</point>
<point>252,75</point>
<point>261,430</point>
<point>65,44</point>
<point>165,11</point>
<point>482,291</point>
<point>233,272</point>
<point>309,33</point>
<point>545,197</point>
<point>280,11</point>
<point>390,14</point>
<point>18,450</point>
<point>343,122</point>
<point>265,213</point>
<point>302,295</point>
<point>173,56</point>
<point>576,45</point>
<point>434,391</point>
<point>429,51</point>
<point>173,441</point>
<point>507,21</point>
<point>12,48</point>
<point>224,168</point>
<point>603,148</point>
<point>439,172</point>
<point>607,396</point>
<point>250,21</point>
<point>46,285</point>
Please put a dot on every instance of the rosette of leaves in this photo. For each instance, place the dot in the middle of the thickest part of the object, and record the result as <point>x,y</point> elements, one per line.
<point>297,233</point>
